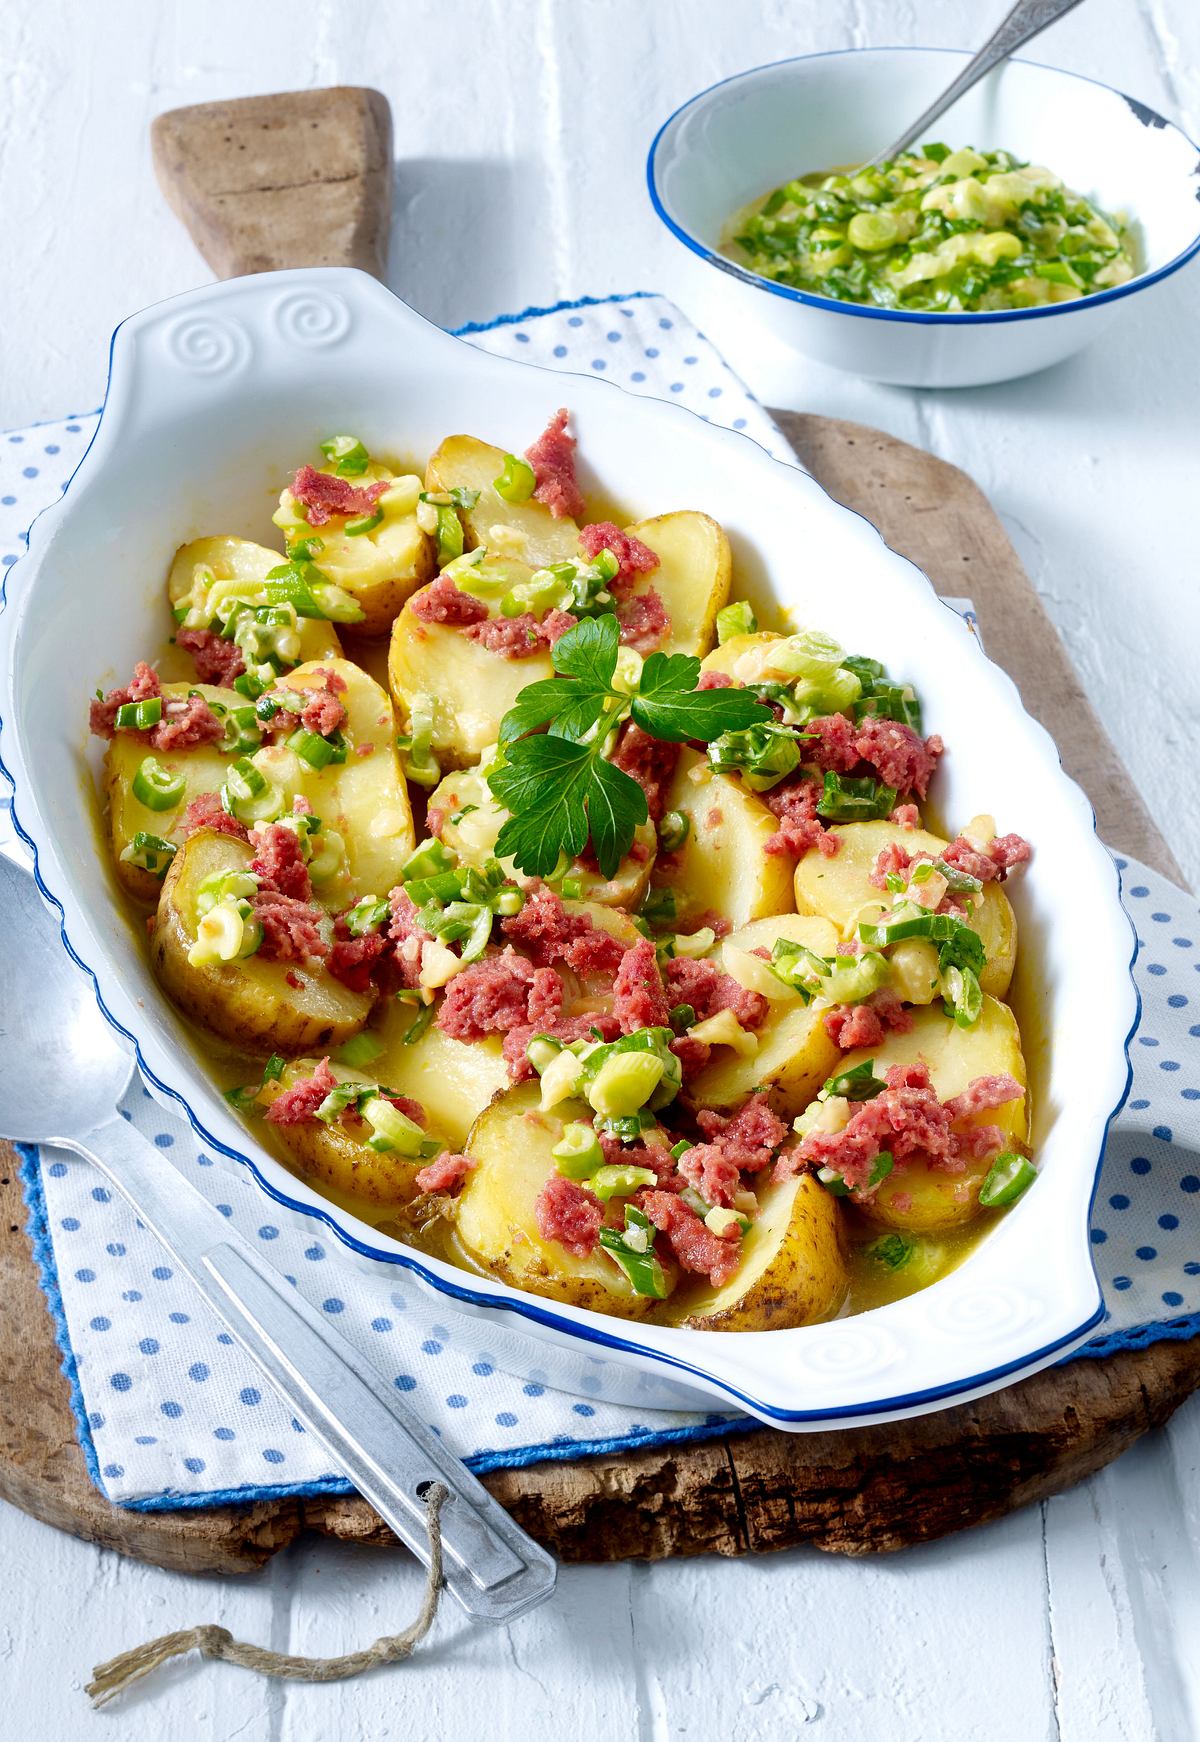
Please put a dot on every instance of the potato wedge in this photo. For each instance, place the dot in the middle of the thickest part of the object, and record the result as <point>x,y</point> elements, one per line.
<point>839,887</point>
<point>253,1004</point>
<point>470,687</point>
<point>723,866</point>
<point>333,1158</point>
<point>202,767</point>
<point>365,797</point>
<point>532,534</point>
<point>916,1198</point>
<point>795,1054</point>
<point>239,559</point>
<point>693,576</point>
<point>495,1224</point>
<point>793,1269</point>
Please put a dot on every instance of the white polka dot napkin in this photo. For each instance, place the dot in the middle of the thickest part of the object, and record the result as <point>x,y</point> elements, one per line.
<point>170,1414</point>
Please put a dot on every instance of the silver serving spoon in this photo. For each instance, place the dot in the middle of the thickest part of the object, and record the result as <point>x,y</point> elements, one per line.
<point>62,1072</point>
<point>1027,19</point>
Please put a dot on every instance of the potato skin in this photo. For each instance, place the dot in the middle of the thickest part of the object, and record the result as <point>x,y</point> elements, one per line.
<point>249,1003</point>
<point>495,1226</point>
<point>332,1157</point>
<point>793,1270</point>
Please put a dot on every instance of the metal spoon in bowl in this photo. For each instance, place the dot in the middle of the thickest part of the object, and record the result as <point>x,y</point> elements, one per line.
<point>1027,19</point>
<point>62,1073</point>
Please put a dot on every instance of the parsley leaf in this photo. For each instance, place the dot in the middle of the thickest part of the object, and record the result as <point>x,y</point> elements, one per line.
<point>537,705</point>
<point>668,705</point>
<point>544,784</point>
<point>616,808</point>
<point>589,651</point>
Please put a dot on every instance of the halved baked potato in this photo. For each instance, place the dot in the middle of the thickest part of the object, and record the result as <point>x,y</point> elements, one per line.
<point>260,1007</point>
<point>840,887</point>
<point>240,559</point>
<point>454,1080</point>
<point>531,533</point>
<point>379,568</point>
<point>693,576</point>
<point>495,1225</point>
<point>723,866</point>
<point>793,1269</point>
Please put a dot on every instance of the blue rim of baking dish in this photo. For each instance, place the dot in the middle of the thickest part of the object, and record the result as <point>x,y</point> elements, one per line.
<point>524,1307</point>
<point>915,317</point>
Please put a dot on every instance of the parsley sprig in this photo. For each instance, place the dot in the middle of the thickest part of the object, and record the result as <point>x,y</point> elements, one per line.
<point>558,784</point>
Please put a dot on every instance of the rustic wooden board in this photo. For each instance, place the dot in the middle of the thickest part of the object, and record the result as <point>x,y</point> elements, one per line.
<point>243,176</point>
<point>851,1491</point>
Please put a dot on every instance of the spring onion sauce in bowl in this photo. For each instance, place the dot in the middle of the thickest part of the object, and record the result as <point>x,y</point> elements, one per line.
<point>952,232</point>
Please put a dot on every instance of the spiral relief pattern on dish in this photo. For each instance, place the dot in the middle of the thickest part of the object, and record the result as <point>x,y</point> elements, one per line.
<point>208,345</point>
<point>308,317</point>
<point>851,1352</point>
<point>982,1312</point>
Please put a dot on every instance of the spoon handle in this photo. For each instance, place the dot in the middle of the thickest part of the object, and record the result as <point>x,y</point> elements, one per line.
<point>493,1569</point>
<point>1027,19</point>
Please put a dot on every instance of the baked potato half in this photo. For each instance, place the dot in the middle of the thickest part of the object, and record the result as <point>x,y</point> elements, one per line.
<point>723,865</point>
<point>917,1199</point>
<point>794,1054</point>
<point>259,1007</point>
<point>454,1080</point>
<point>839,888</point>
<point>337,1160</point>
<point>531,533</point>
<point>240,559</point>
<point>380,567</point>
<point>693,576</point>
<point>793,1269</point>
<point>495,1225</point>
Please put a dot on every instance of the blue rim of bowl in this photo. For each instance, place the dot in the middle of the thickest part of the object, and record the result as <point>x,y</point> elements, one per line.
<point>904,1403</point>
<point>916,317</point>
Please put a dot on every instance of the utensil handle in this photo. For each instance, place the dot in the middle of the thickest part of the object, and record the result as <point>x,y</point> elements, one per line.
<point>1027,19</point>
<point>493,1569</point>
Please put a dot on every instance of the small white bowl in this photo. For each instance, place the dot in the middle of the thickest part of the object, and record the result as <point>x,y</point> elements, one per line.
<point>213,396</point>
<point>742,137</point>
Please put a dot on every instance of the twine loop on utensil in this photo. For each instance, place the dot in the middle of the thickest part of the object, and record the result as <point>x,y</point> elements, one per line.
<point>112,1678</point>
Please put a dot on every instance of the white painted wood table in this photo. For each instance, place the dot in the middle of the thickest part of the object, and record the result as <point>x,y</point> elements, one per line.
<point>521,131</point>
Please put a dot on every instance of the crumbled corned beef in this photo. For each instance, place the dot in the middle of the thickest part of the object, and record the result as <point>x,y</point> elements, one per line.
<point>985,1093</point>
<point>407,936</point>
<point>186,720</point>
<point>497,993</point>
<point>898,755</point>
<point>444,602</point>
<point>298,1105</point>
<point>545,932</point>
<point>854,1025</point>
<point>511,637</point>
<point>352,958</point>
<point>692,1054</point>
<point>446,1173</point>
<point>715,680</point>
<point>324,712</point>
<point>411,1109</point>
<point>990,863</point>
<point>794,804</point>
<point>567,1029</point>
<point>435,819</point>
<point>292,930</point>
<point>650,761</point>
<point>567,1212</point>
<point>552,457</point>
<point>334,682</point>
<point>708,919</point>
<point>639,999</point>
<point>653,1156</point>
<point>696,1248</point>
<point>831,743</point>
<point>906,1119</point>
<point>702,985</point>
<point>301,806</point>
<point>595,954</point>
<point>323,494</point>
<point>892,860</point>
<point>906,816</point>
<point>141,687</point>
<point>207,812</point>
<point>216,660</point>
<point>749,1136</point>
<point>709,1171</point>
<point>278,861</point>
<point>645,623</point>
<point>978,1142</point>
<point>555,624</point>
<point>634,557</point>
<point>545,998</point>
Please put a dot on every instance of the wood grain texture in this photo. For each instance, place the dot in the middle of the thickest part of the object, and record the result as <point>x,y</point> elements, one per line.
<point>852,1491</point>
<point>302,178</point>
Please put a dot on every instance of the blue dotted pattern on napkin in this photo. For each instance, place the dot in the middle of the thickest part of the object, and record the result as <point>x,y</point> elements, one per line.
<point>170,1414</point>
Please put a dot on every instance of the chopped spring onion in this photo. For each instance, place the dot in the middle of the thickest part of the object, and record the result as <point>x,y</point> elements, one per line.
<point>910,921</point>
<point>364,523</point>
<point>367,915</point>
<point>138,716</point>
<point>249,796</point>
<point>618,1180</point>
<point>633,1250</point>
<point>858,1084</point>
<point>736,619</point>
<point>673,831</point>
<point>360,1050</point>
<point>799,967</point>
<point>418,1025</point>
<point>762,755</point>
<point>682,1017</point>
<point>891,702</point>
<point>158,788</point>
<point>419,763</point>
<point>226,933</point>
<point>681,1148</point>
<point>629,1128</point>
<point>246,684</point>
<point>516,482</point>
<point>449,533</point>
<point>571,889</point>
<point>346,455</point>
<point>578,1153</point>
<point>893,1251</point>
<point>693,944</point>
<point>428,859</point>
<point>329,856</point>
<point>242,731</point>
<point>542,1050</point>
<point>1009,1175</point>
<point>845,800</point>
<point>853,978</point>
<point>624,1083</point>
<point>225,886</point>
<point>393,1132</point>
<point>149,853</point>
<point>317,751</point>
<point>962,995</point>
